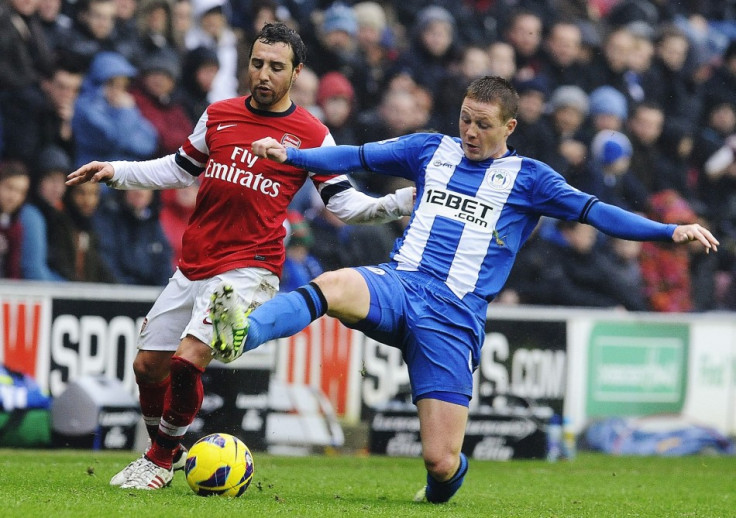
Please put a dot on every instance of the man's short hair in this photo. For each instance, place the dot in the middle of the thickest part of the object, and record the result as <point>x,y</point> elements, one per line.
<point>281,33</point>
<point>495,89</point>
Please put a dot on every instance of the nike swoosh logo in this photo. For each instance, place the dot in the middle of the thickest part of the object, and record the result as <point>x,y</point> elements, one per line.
<point>223,126</point>
<point>207,321</point>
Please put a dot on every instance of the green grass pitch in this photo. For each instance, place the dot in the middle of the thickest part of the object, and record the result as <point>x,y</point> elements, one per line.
<point>72,483</point>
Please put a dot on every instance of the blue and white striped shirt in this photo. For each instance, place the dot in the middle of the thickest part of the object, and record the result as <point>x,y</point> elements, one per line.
<point>471,218</point>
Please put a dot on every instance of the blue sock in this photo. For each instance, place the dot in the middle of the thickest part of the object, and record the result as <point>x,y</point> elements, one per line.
<point>285,315</point>
<point>440,492</point>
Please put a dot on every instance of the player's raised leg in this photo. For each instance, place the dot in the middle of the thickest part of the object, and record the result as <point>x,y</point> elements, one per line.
<point>442,428</point>
<point>341,294</point>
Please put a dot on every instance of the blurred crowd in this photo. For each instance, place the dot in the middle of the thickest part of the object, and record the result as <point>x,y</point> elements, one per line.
<point>631,100</point>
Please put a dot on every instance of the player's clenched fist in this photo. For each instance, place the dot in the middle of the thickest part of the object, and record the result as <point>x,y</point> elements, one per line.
<point>269,147</point>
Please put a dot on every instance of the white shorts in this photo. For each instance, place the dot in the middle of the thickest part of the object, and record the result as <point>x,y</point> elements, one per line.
<point>181,309</point>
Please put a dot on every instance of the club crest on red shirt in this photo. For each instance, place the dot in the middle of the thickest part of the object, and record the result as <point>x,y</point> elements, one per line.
<point>289,140</point>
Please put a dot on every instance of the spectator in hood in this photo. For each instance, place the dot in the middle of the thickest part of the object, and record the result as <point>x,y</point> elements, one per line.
<point>43,217</point>
<point>569,107</point>
<point>154,95</point>
<point>433,50</point>
<point>608,109</point>
<point>611,178</point>
<point>199,70</point>
<point>335,44</point>
<point>107,122</point>
<point>336,98</point>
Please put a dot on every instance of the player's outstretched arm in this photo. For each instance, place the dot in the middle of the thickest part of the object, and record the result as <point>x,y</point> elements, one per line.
<point>695,232</point>
<point>623,224</point>
<point>271,148</point>
<point>95,172</point>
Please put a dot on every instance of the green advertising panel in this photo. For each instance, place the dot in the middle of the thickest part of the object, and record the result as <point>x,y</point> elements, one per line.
<point>636,368</point>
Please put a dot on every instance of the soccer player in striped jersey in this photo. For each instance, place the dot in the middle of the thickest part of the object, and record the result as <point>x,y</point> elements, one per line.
<point>235,235</point>
<point>477,202</point>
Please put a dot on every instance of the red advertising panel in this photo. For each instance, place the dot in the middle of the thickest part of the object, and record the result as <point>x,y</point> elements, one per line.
<point>320,356</point>
<point>21,333</point>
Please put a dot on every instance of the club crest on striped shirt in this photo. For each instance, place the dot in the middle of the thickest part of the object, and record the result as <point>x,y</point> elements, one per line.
<point>289,140</point>
<point>500,179</point>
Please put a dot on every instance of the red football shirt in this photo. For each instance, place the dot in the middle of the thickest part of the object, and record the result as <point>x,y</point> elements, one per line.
<point>243,199</point>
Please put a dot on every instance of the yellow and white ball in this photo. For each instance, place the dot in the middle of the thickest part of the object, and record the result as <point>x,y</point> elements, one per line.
<point>219,464</point>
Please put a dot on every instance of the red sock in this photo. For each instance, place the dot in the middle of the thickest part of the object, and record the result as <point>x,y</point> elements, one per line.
<point>181,403</point>
<point>151,397</point>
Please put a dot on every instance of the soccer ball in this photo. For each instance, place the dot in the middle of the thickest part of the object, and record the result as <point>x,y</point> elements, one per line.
<point>219,464</point>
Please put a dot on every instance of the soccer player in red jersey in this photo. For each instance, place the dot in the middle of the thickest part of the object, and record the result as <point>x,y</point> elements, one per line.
<point>235,235</point>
